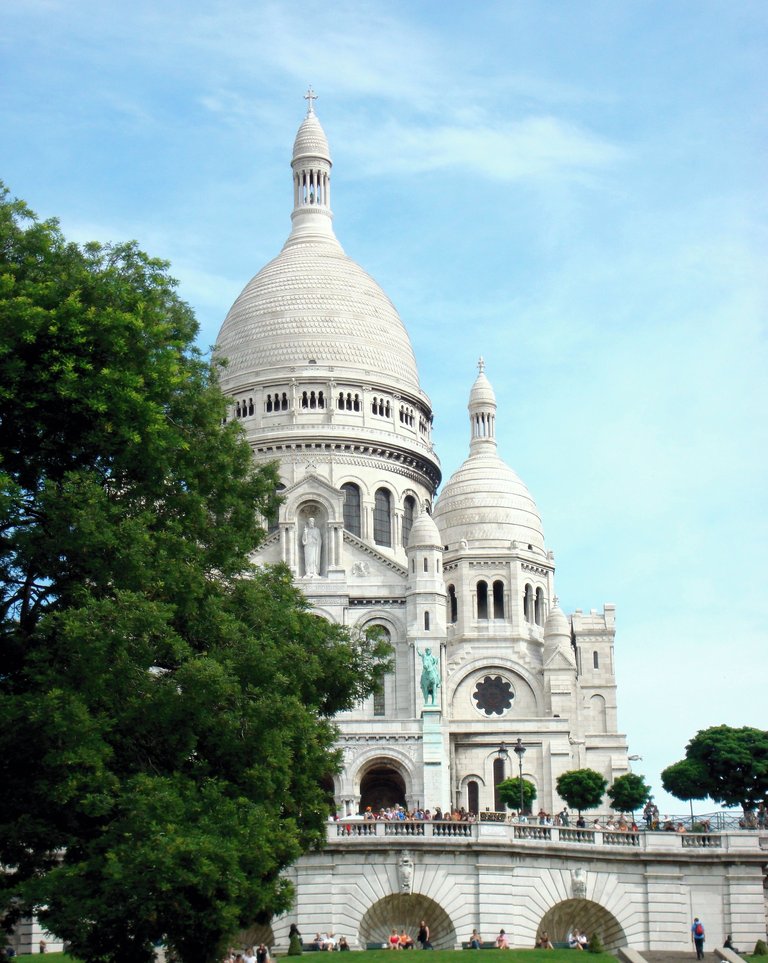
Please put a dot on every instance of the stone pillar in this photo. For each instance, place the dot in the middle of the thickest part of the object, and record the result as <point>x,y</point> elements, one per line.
<point>437,786</point>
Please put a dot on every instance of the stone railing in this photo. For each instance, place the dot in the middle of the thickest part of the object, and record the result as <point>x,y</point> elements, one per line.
<point>495,832</point>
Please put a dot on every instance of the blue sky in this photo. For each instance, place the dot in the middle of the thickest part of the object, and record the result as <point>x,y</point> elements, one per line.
<point>575,190</point>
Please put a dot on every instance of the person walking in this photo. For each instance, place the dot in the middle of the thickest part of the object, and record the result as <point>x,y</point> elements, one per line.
<point>697,937</point>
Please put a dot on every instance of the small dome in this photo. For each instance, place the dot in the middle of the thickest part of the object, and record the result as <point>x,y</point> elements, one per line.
<point>486,503</point>
<point>311,140</point>
<point>482,394</point>
<point>424,533</point>
<point>557,624</point>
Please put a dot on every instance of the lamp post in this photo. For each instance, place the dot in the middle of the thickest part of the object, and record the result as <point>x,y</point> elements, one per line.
<point>502,753</point>
<point>519,751</point>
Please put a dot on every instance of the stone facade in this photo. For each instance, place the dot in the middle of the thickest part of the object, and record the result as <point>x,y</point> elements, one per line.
<point>324,380</point>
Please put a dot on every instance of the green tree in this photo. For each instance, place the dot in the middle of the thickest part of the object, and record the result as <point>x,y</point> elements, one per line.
<point>166,708</point>
<point>628,793</point>
<point>581,788</point>
<point>730,765</point>
<point>686,780</point>
<point>509,793</point>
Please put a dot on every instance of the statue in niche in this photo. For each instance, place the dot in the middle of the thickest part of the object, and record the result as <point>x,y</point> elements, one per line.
<point>312,541</point>
<point>430,675</point>
<point>405,871</point>
<point>578,884</point>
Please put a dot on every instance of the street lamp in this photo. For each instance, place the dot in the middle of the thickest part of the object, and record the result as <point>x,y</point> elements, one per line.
<point>519,751</point>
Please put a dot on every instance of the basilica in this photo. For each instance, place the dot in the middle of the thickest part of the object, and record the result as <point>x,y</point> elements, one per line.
<point>458,576</point>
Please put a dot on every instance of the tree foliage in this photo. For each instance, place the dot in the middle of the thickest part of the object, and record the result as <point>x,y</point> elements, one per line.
<point>629,792</point>
<point>686,780</point>
<point>166,707</point>
<point>581,788</point>
<point>509,793</point>
<point>729,765</point>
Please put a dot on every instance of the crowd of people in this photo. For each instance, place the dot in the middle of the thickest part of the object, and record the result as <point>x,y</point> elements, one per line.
<point>258,954</point>
<point>399,812</point>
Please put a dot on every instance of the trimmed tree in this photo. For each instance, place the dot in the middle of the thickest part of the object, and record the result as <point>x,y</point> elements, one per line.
<point>729,765</point>
<point>628,793</point>
<point>581,788</point>
<point>166,708</point>
<point>509,793</point>
<point>686,780</point>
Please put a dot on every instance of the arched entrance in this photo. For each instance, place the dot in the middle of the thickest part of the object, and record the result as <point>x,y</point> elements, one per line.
<point>258,933</point>
<point>405,911</point>
<point>583,914</point>
<point>381,787</point>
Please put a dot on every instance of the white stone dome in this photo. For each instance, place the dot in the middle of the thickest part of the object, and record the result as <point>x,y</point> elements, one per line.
<point>485,502</point>
<point>424,533</point>
<point>557,625</point>
<point>314,305</point>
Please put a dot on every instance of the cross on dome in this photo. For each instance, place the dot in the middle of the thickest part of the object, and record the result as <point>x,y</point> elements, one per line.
<point>481,365</point>
<point>309,97</point>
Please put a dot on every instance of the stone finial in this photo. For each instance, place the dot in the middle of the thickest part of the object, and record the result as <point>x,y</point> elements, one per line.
<point>481,365</point>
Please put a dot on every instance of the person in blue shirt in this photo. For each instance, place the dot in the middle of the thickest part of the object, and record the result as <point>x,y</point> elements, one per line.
<point>697,937</point>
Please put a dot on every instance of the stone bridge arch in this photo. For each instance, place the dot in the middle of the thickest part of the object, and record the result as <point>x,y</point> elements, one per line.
<point>586,915</point>
<point>405,911</point>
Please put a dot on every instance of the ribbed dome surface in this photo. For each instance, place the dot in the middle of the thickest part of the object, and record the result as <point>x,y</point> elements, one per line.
<point>310,139</point>
<point>312,302</point>
<point>424,532</point>
<point>557,624</point>
<point>485,502</point>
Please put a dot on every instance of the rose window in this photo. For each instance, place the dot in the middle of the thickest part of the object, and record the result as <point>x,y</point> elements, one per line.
<point>493,695</point>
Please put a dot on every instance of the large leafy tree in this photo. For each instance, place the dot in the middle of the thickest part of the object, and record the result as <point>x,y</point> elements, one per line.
<point>730,765</point>
<point>166,707</point>
<point>629,792</point>
<point>581,788</point>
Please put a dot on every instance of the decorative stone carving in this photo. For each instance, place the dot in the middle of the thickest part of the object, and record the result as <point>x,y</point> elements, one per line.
<point>578,884</point>
<point>405,871</point>
<point>361,569</point>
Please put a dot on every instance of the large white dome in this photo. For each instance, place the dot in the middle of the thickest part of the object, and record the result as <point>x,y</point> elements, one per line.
<point>314,305</point>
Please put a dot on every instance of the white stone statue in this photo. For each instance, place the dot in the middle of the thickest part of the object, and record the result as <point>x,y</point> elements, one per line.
<point>405,871</point>
<point>312,541</point>
<point>578,884</point>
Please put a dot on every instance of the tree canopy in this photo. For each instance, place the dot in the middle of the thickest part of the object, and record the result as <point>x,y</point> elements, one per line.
<point>729,765</point>
<point>629,792</point>
<point>166,707</point>
<point>509,793</point>
<point>581,788</point>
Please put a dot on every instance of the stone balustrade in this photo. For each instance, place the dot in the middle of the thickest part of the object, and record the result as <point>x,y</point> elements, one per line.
<point>531,832</point>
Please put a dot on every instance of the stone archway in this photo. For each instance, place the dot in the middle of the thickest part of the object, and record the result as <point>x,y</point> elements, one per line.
<point>258,933</point>
<point>405,911</point>
<point>583,914</point>
<point>381,786</point>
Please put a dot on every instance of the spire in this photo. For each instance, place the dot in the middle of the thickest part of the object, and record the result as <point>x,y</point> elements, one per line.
<point>482,413</point>
<point>311,163</point>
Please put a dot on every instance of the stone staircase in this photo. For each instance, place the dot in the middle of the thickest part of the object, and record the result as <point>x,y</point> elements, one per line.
<point>670,956</point>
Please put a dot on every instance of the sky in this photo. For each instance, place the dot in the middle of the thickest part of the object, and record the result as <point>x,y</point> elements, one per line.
<point>574,189</point>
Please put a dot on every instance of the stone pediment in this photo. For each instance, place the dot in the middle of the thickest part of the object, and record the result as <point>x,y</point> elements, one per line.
<point>362,561</point>
<point>315,487</point>
<point>560,660</point>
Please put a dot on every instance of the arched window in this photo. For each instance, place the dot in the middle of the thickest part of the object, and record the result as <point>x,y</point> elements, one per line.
<point>379,702</point>
<point>382,517</point>
<point>498,599</point>
<point>482,600</point>
<point>426,621</point>
<point>498,776</point>
<point>453,605</point>
<point>351,508</point>
<point>595,660</point>
<point>539,606</point>
<point>528,603</point>
<point>473,797</point>
<point>409,507</point>
<point>426,564</point>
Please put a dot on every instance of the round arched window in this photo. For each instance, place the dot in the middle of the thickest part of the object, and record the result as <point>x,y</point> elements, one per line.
<point>493,695</point>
